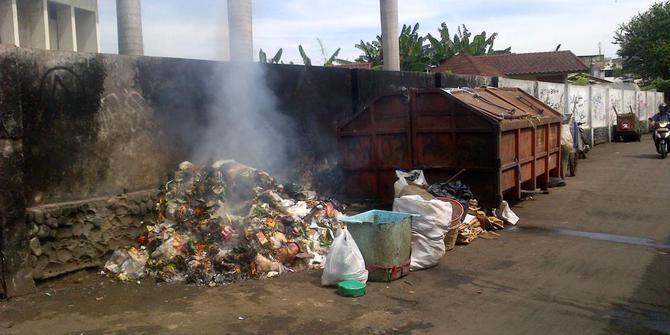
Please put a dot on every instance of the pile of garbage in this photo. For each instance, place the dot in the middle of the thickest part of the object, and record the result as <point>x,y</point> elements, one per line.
<point>225,221</point>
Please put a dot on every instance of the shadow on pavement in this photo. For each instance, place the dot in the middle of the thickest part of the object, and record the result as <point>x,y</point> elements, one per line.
<point>647,311</point>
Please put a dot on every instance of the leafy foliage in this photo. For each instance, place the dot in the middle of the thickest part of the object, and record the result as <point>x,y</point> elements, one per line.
<point>581,80</point>
<point>645,43</point>
<point>263,57</point>
<point>305,59</point>
<point>327,60</point>
<point>421,53</point>
<point>332,59</point>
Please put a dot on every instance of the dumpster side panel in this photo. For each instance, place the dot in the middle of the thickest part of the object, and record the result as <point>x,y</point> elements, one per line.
<point>373,144</point>
<point>448,137</point>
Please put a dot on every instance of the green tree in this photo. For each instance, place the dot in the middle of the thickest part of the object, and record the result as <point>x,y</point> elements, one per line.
<point>644,45</point>
<point>372,52</point>
<point>418,53</point>
<point>413,52</point>
<point>444,48</point>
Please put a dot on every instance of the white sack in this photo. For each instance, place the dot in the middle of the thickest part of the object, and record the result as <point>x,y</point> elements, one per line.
<point>428,228</point>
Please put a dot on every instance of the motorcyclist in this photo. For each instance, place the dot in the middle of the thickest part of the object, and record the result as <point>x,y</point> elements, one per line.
<point>662,115</point>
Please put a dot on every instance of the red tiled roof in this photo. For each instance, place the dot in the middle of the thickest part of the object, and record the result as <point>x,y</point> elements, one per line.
<point>467,64</point>
<point>511,64</point>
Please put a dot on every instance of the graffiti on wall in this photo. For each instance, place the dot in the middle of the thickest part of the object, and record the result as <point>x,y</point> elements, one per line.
<point>598,109</point>
<point>630,102</point>
<point>578,103</point>
<point>615,103</point>
<point>641,98</point>
<point>552,96</point>
<point>133,117</point>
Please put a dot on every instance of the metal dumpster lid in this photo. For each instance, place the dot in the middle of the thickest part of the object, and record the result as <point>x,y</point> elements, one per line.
<point>503,103</point>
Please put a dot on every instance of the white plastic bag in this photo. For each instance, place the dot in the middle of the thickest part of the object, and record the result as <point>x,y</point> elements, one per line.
<point>415,176</point>
<point>344,261</point>
<point>428,228</point>
<point>506,213</point>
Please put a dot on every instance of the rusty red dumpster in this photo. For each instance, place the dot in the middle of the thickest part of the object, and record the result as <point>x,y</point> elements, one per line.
<point>505,140</point>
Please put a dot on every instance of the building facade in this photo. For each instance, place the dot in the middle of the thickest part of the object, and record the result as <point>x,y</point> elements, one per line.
<point>70,25</point>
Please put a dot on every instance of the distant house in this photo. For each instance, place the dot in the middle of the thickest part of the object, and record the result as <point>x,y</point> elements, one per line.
<point>596,64</point>
<point>554,66</point>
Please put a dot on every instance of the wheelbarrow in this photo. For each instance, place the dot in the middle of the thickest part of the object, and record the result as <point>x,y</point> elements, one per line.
<point>627,126</point>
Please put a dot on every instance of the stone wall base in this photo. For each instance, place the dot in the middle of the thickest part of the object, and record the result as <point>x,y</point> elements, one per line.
<point>70,236</point>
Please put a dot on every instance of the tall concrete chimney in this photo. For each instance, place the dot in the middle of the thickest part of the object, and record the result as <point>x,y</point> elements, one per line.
<point>129,22</point>
<point>240,31</point>
<point>390,44</point>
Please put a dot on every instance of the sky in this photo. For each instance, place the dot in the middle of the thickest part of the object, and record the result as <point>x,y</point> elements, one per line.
<point>197,28</point>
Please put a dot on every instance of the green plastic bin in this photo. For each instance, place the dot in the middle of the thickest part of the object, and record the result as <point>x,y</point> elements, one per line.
<point>384,238</point>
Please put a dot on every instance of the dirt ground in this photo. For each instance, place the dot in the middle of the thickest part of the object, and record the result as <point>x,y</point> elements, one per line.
<point>590,258</point>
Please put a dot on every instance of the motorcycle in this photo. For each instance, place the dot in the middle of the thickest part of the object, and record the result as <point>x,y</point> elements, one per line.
<point>662,138</point>
<point>578,136</point>
<point>579,139</point>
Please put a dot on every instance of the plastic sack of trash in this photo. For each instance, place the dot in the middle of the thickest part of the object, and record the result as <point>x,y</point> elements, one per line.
<point>428,228</point>
<point>344,261</point>
<point>415,177</point>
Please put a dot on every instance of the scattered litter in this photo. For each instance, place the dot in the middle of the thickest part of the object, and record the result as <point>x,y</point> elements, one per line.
<point>240,318</point>
<point>48,294</point>
<point>414,177</point>
<point>506,213</point>
<point>225,221</point>
<point>99,298</point>
<point>454,189</point>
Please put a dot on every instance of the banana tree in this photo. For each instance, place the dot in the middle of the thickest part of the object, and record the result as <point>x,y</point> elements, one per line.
<point>263,57</point>
<point>413,53</point>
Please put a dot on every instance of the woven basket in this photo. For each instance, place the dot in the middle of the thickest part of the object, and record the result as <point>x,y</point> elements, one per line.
<point>457,212</point>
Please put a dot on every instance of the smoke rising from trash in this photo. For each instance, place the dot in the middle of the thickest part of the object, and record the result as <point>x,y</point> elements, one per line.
<point>244,122</point>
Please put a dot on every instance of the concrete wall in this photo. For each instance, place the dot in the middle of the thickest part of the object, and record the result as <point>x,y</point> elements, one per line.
<point>455,81</point>
<point>552,95</point>
<point>529,86</point>
<point>593,104</point>
<point>578,104</point>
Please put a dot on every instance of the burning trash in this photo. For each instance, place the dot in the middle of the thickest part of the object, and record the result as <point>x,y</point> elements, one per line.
<point>226,221</point>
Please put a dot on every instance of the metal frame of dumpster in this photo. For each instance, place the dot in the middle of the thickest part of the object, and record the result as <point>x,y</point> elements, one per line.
<point>505,139</point>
